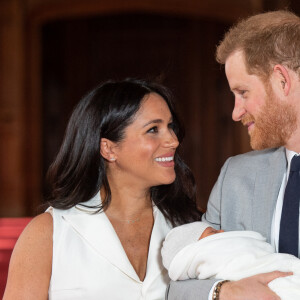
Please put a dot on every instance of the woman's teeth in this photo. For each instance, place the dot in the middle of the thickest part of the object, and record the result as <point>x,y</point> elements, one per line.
<point>164,158</point>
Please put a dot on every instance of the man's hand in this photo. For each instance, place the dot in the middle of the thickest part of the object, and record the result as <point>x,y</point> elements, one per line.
<point>252,288</point>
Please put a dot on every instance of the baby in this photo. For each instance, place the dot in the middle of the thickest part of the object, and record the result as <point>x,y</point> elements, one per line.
<point>209,231</point>
<point>197,250</point>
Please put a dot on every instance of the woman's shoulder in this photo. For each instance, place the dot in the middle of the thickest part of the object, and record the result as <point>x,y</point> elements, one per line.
<point>37,233</point>
<point>43,220</point>
<point>39,230</point>
<point>31,261</point>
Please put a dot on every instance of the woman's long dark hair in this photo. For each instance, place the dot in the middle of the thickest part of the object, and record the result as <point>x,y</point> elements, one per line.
<point>79,170</point>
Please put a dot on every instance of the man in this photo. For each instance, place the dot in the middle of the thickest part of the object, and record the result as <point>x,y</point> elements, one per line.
<point>262,64</point>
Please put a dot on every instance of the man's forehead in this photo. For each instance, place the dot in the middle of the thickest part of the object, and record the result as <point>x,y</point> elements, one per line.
<point>238,77</point>
<point>235,70</point>
<point>235,59</point>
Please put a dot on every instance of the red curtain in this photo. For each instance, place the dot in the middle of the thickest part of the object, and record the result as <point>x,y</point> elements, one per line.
<point>10,229</point>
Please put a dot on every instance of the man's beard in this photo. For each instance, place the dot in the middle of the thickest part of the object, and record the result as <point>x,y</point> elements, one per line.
<point>273,126</point>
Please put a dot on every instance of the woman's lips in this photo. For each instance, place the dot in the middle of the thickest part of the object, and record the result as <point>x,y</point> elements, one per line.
<point>166,163</point>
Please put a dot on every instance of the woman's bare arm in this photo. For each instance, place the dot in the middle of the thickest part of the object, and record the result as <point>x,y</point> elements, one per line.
<point>30,265</point>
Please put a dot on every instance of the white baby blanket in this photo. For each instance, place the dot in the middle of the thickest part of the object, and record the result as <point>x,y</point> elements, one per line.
<point>235,255</point>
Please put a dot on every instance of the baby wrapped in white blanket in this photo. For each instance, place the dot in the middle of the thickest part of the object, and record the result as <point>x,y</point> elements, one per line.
<point>229,255</point>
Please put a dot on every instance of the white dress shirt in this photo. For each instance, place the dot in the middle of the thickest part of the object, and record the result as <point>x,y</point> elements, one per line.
<point>278,209</point>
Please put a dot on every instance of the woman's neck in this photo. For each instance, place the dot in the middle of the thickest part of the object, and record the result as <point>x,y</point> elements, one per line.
<point>127,200</point>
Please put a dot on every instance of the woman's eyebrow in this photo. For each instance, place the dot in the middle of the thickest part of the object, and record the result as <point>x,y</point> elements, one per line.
<point>156,121</point>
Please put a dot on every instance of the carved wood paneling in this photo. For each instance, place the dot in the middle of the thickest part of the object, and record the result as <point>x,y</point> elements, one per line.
<point>21,23</point>
<point>228,10</point>
<point>11,109</point>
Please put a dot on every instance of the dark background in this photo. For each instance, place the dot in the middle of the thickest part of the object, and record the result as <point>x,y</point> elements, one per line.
<point>52,52</point>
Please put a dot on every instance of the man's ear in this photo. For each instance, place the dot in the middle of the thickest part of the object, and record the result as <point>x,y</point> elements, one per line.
<point>107,149</point>
<point>281,78</point>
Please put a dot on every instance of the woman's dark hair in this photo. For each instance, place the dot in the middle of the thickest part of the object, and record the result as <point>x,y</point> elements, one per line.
<point>79,170</point>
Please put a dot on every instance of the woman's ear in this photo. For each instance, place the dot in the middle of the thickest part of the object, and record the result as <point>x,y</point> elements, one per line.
<point>107,149</point>
<point>282,79</point>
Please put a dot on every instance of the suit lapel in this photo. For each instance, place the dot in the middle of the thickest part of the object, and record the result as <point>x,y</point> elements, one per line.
<point>97,231</point>
<point>267,185</point>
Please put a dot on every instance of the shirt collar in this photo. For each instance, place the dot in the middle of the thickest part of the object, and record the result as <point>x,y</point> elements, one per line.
<point>289,155</point>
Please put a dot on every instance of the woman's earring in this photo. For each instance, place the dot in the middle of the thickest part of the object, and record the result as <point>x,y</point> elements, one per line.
<point>112,159</point>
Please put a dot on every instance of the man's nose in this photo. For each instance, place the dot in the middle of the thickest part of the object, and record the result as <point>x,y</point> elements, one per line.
<point>238,110</point>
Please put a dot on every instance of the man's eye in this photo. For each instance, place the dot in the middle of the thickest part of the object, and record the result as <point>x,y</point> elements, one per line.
<point>153,129</point>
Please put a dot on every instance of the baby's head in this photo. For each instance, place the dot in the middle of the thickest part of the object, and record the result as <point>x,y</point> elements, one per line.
<point>209,231</point>
<point>182,236</point>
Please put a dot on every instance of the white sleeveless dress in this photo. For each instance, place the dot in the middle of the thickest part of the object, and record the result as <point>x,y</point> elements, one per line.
<point>89,262</point>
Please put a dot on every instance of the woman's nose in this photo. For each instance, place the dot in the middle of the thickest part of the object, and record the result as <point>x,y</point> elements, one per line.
<point>171,139</point>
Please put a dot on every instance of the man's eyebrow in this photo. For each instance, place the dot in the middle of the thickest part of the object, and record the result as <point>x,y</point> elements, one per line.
<point>234,89</point>
<point>238,88</point>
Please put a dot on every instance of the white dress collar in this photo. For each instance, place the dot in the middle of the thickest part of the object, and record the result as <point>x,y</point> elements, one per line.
<point>97,231</point>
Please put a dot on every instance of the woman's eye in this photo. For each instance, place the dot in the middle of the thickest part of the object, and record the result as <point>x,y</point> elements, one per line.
<point>171,126</point>
<point>153,129</point>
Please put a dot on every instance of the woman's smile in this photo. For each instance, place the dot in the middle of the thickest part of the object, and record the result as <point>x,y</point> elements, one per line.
<point>166,160</point>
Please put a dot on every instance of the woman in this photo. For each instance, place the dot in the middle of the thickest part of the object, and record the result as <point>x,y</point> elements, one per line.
<point>117,188</point>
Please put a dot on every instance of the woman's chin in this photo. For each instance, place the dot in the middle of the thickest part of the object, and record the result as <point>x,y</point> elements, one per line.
<point>168,180</point>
